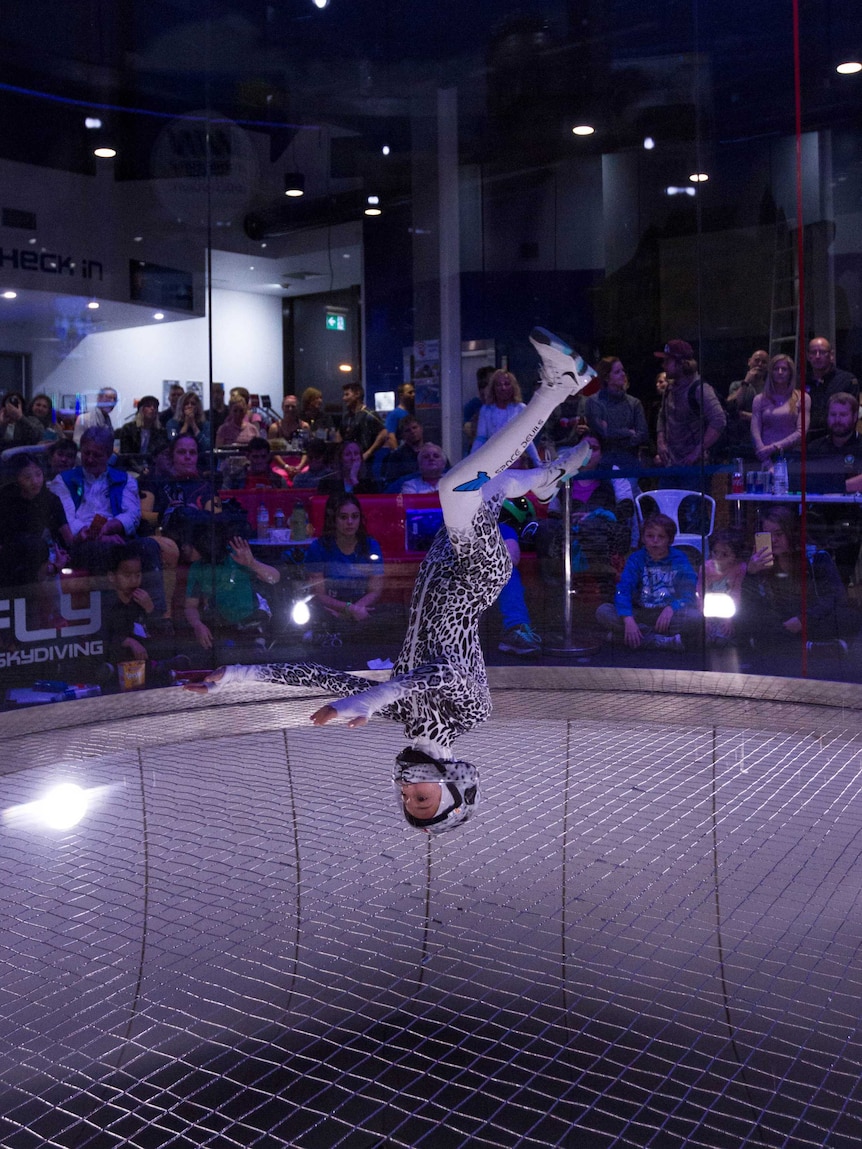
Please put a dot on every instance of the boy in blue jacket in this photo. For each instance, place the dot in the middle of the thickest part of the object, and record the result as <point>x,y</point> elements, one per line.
<point>655,601</point>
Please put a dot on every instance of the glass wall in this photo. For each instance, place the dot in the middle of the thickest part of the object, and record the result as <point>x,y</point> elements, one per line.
<point>209,211</point>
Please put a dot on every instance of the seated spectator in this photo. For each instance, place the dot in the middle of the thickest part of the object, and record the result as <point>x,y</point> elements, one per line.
<point>34,539</point>
<point>654,606</point>
<point>126,610</point>
<point>143,438</point>
<point>772,598</point>
<point>320,424</point>
<point>16,428</point>
<point>61,456</point>
<point>432,464</point>
<point>602,510</point>
<point>289,435</point>
<point>350,475</point>
<point>103,510</point>
<point>252,414</point>
<point>317,465</point>
<point>99,415</point>
<point>259,475</point>
<point>42,409</point>
<point>617,416</point>
<point>189,418</point>
<point>221,599</point>
<point>237,429</point>
<point>181,486</point>
<point>722,573</point>
<point>345,570</point>
<point>403,462</point>
<point>776,415</point>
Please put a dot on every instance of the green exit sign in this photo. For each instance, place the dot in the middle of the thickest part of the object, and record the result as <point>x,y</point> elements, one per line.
<point>335,322</point>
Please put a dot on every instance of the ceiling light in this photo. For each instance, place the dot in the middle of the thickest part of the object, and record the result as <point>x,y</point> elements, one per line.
<point>698,177</point>
<point>649,143</point>
<point>92,123</point>
<point>320,3</point>
<point>345,367</point>
<point>850,68</point>
<point>373,209</point>
<point>679,191</point>
<point>294,184</point>
<point>159,315</point>
<point>105,153</point>
<point>583,130</point>
<point>93,305</point>
<point>10,294</point>
<point>385,149</point>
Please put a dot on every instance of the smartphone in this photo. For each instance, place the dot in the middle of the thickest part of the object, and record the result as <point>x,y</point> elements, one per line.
<point>763,541</point>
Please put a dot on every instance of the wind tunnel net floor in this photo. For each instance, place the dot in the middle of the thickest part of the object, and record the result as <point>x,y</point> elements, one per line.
<point>648,935</point>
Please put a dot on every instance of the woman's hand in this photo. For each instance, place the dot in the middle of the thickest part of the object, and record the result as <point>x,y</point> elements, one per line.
<point>211,682</point>
<point>760,561</point>
<point>764,454</point>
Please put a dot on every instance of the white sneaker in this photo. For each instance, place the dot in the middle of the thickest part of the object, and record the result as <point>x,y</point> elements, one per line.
<point>566,464</point>
<point>561,367</point>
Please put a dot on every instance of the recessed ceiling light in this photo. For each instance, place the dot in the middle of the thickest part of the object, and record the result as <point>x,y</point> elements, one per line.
<point>92,123</point>
<point>385,149</point>
<point>373,211</point>
<point>159,315</point>
<point>105,153</point>
<point>345,367</point>
<point>698,177</point>
<point>10,294</point>
<point>679,191</point>
<point>649,143</point>
<point>93,305</point>
<point>583,130</point>
<point>320,3</point>
<point>849,68</point>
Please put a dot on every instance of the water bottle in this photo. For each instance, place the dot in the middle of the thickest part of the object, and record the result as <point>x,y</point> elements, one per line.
<point>262,521</point>
<point>278,519</point>
<point>779,476</point>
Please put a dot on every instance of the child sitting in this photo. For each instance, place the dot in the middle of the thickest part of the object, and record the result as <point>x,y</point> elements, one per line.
<point>220,586</point>
<point>722,573</point>
<point>654,605</point>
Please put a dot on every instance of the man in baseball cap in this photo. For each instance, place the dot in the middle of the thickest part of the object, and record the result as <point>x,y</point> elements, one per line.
<point>691,418</point>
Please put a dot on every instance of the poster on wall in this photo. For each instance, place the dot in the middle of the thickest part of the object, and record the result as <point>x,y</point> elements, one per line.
<point>195,385</point>
<point>426,372</point>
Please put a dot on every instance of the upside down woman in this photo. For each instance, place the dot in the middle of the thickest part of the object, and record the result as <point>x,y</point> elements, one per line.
<point>439,687</point>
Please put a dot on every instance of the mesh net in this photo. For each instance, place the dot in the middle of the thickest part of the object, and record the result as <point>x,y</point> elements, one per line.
<point>648,935</point>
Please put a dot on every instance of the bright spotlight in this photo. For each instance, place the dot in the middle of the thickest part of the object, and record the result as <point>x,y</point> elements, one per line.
<point>718,605</point>
<point>105,153</point>
<point>649,143</point>
<point>850,68</point>
<point>320,3</point>
<point>300,613</point>
<point>698,177</point>
<point>583,130</point>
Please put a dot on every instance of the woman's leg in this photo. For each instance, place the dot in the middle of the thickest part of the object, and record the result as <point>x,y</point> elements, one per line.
<point>463,488</point>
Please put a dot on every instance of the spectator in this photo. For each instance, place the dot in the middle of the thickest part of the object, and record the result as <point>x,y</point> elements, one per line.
<point>175,393</point>
<point>42,408</point>
<point>217,413</point>
<point>654,406</point>
<point>16,428</point>
<point>722,573</point>
<point>772,598</point>
<point>654,605</point>
<point>103,509</point>
<point>345,570</point>
<point>252,416</point>
<point>99,416</point>
<point>62,455</point>
<point>143,438</point>
<point>406,406</point>
<point>776,417</point>
<point>740,402</point>
<point>473,406</point>
<point>567,425</point>
<point>318,465</point>
<point>259,475</point>
<point>189,419</point>
<point>616,416</point>
<point>290,428</point>
<point>432,464</point>
<point>237,429</point>
<point>502,403</point>
<point>834,466</point>
<point>182,486</point>
<point>34,538</point>
<point>403,463</point>
<point>824,381</point>
<point>691,418</point>
<point>320,425</point>
<point>221,600</point>
<point>359,424</point>
<point>350,475</point>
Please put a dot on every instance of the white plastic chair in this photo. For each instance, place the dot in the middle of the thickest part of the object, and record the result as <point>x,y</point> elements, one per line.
<point>668,502</point>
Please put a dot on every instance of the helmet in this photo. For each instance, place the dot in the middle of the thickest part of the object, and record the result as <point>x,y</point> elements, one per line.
<point>459,786</point>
